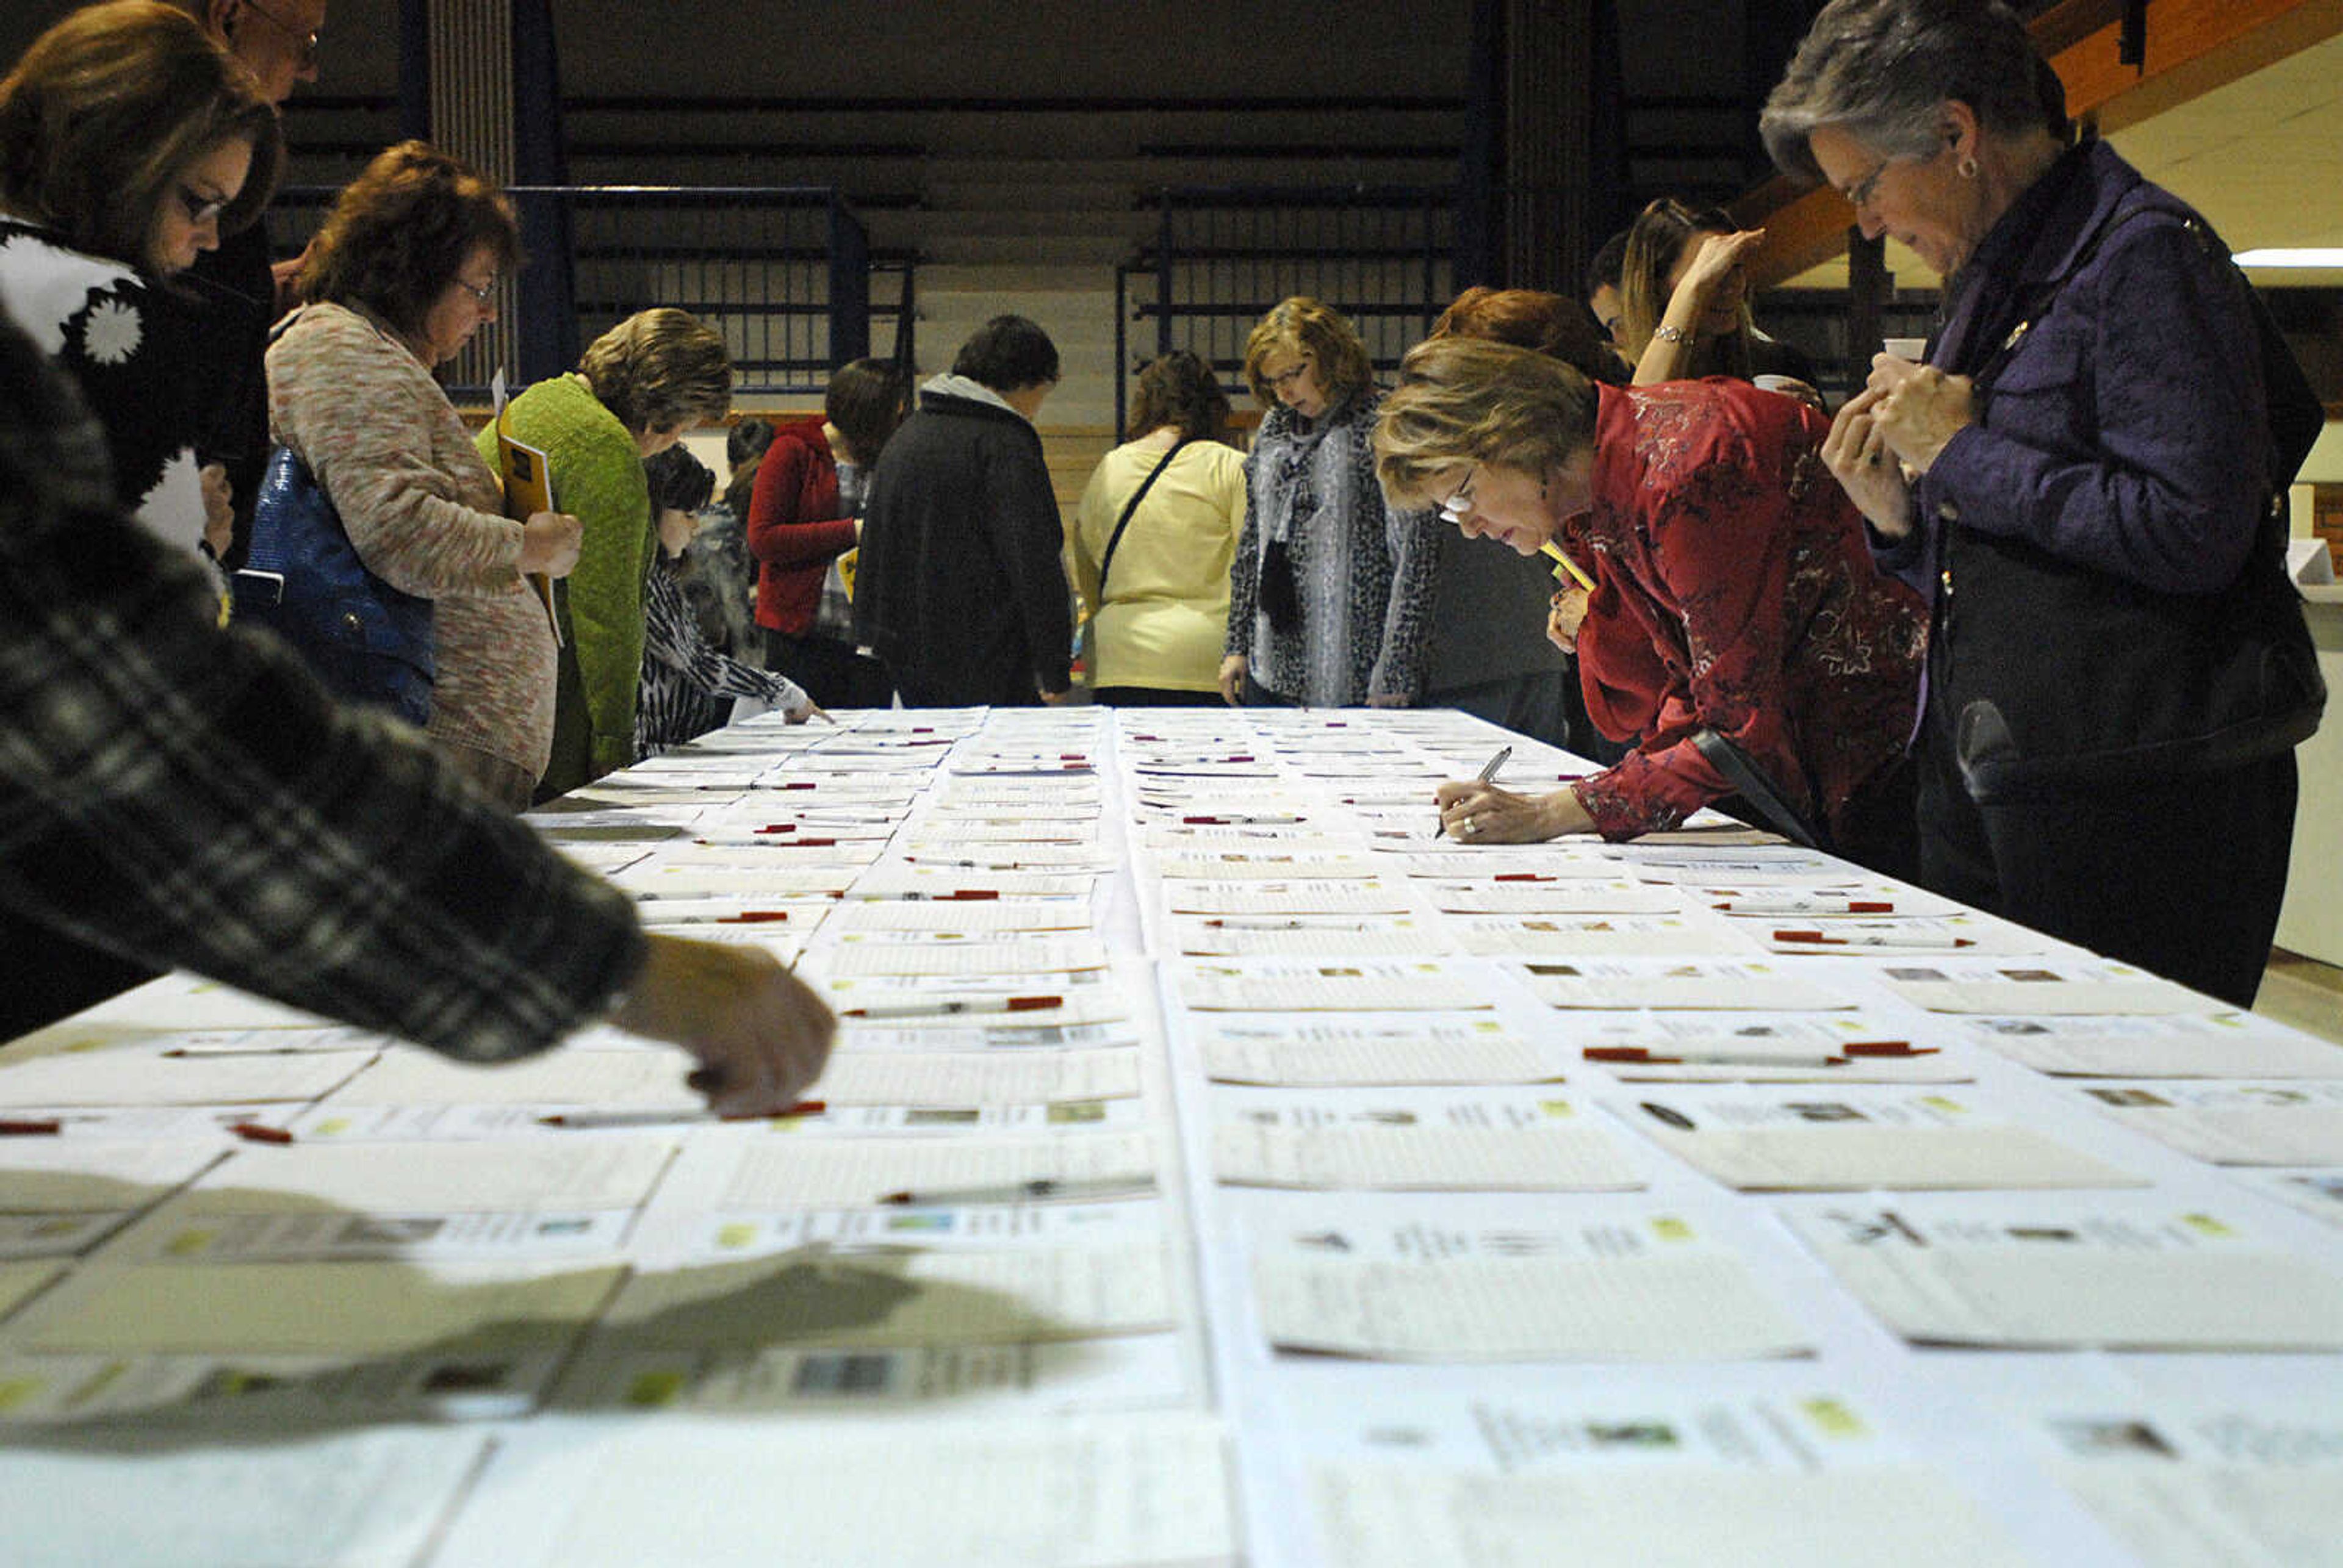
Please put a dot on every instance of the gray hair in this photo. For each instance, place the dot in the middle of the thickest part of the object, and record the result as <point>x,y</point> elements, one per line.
<point>1876,70</point>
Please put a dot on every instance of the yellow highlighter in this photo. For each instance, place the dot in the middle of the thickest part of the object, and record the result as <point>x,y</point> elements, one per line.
<point>1563,563</point>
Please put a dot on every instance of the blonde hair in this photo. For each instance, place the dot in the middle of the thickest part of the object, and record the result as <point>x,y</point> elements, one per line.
<point>659,370</point>
<point>1472,401</point>
<point>1321,333</point>
<point>104,113</point>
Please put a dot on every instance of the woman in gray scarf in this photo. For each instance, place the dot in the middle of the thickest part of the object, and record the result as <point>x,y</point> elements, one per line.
<point>1329,594</point>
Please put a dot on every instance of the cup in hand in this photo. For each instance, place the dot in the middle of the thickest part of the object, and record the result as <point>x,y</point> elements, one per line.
<point>1916,349</point>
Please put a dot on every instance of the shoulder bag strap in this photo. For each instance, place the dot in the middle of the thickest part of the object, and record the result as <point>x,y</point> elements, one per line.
<point>1106,561</point>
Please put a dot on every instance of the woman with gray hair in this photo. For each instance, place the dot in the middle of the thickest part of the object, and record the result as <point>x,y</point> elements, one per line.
<point>2080,478</point>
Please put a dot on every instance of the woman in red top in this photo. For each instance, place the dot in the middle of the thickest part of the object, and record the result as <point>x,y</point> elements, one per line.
<point>803,514</point>
<point>1734,590</point>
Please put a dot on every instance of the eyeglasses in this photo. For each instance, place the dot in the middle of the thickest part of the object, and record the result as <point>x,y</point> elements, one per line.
<point>200,209</point>
<point>307,39</point>
<point>481,292</point>
<point>1459,504</point>
<point>1858,194</point>
<point>1284,378</point>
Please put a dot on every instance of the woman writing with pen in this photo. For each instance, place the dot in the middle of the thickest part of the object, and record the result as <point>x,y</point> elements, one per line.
<point>1737,625</point>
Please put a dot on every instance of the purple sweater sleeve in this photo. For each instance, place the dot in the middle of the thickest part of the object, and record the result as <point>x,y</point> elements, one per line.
<point>2127,433</point>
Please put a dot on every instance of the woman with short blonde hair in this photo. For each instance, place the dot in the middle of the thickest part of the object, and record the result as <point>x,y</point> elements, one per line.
<point>1329,594</point>
<point>1733,596</point>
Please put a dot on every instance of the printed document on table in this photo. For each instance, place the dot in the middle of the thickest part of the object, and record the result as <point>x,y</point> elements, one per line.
<point>976,1078</point>
<point>1562,896</point>
<point>1117,1372</point>
<point>1559,1156</point>
<point>1787,1139</point>
<point>1504,867</point>
<point>372,1496</point>
<point>1099,1491</point>
<point>1891,935</point>
<point>2041,985</point>
<point>1837,900</point>
<point>1290,985</point>
<point>967,918</point>
<point>1277,897</point>
<point>1756,1048</point>
<point>1705,866</point>
<point>20,1279</point>
<point>1660,1302</point>
<point>309,1309</point>
<point>476,1177</point>
<point>577,1075</point>
<point>1677,984</point>
<point>160,1072</point>
<point>2318,1193</point>
<point>1387,1516</point>
<point>897,1295</point>
<point>757,1176</point>
<point>795,881</point>
<point>1265,866</point>
<point>2209,1476</point>
<point>2233,1123</point>
<point>1418,1052</point>
<point>934,953</point>
<point>1305,935</point>
<point>2180,1045</point>
<point>1570,935</point>
<point>2057,1273</point>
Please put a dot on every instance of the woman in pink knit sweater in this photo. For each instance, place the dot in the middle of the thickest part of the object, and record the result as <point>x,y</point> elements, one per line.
<point>403,273</point>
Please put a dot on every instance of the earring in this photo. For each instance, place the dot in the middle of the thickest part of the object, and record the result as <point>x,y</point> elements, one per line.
<point>1968,167</point>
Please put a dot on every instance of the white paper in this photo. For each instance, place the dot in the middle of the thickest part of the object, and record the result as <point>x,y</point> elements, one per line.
<point>2233,1123</point>
<point>1549,1159</point>
<point>1430,1052</point>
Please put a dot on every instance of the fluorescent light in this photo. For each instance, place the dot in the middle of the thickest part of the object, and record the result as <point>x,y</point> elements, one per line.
<point>2281,256</point>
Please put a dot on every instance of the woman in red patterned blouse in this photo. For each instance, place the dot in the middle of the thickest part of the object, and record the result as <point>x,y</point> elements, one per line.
<point>1733,590</point>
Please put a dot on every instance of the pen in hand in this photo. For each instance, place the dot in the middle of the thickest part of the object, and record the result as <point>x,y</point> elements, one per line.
<point>1487,774</point>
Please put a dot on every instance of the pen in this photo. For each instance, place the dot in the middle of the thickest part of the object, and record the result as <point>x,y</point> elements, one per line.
<point>590,1119</point>
<point>1638,1055</point>
<point>1245,925</point>
<point>752,918</point>
<point>1488,771</point>
<point>945,1009</point>
<point>1800,905</point>
<point>791,844</point>
<point>1024,1192</point>
<point>257,1132</point>
<point>1566,564</point>
<point>199,1053</point>
<point>1241,819</point>
<point>1872,940</point>
<point>961,895</point>
<point>31,1127</point>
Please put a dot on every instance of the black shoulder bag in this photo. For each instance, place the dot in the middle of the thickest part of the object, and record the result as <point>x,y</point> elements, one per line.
<point>1130,507</point>
<point>2063,677</point>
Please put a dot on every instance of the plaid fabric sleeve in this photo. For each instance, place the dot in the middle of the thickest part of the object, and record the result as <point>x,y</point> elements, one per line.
<point>186,796</point>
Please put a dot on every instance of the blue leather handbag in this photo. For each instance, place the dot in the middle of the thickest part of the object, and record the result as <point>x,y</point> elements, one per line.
<point>368,641</point>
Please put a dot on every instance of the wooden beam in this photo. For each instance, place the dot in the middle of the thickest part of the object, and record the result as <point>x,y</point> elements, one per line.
<point>2193,47</point>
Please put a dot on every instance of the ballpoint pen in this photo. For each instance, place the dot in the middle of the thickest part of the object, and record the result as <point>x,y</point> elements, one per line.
<point>1872,940</point>
<point>946,1008</point>
<point>586,1121</point>
<point>1026,1191</point>
<point>1488,772</point>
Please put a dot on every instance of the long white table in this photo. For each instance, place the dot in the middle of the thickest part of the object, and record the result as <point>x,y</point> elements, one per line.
<point>1343,1250</point>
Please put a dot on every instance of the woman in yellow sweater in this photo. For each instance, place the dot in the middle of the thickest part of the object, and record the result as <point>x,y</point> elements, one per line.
<point>1155,576</point>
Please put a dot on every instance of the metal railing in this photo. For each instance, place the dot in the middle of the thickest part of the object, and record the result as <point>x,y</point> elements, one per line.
<point>784,272</point>
<point>1382,255</point>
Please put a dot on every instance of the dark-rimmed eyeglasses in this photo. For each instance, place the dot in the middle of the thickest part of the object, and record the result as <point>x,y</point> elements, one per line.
<point>482,292</point>
<point>200,209</point>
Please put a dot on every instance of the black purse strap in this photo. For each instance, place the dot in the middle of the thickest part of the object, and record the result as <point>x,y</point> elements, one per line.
<point>1114,541</point>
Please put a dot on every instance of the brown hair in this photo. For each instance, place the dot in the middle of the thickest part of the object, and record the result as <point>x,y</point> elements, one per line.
<point>1658,240</point>
<point>1320,332</point>
<point>661,370</point>
<point>1471,400</point>
<point>401,230</point>
<point>1531,318</point>
<point>867,400</point>
<point>1179,389</point>
<point>104,114</point>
